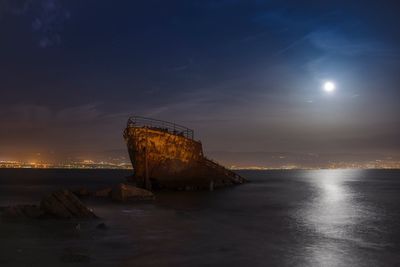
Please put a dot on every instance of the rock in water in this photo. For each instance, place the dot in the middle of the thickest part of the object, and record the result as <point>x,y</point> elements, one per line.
<point>74,255</point>
<point>102,226</point>
<point>82,192</point>
<point>23,212</point>
<point>103,192</point>
<point>64,204</point>
<point>123,192</point>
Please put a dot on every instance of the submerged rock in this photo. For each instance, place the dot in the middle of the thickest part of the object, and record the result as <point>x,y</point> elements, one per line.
<point>64,204</point>
<point>123,192</point>
<point>82,192</point>
<point>22,212</point>
<point>103,192</point>
<point>102,226</point>
<point>75,255</point>
<point>75,258</point>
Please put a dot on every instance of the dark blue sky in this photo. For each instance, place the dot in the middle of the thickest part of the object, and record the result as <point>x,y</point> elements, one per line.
<point>246,75</point>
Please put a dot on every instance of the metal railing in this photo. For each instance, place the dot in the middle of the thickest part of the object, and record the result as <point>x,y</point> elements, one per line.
<point>159,125</point>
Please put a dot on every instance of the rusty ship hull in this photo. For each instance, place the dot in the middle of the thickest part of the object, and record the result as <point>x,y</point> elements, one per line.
<point>165,155</point>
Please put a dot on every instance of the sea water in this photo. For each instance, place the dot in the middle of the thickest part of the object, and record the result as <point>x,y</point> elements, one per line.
<point>280,218</point>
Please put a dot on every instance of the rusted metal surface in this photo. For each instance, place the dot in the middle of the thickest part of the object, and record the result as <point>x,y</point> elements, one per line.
<point>171,160</point>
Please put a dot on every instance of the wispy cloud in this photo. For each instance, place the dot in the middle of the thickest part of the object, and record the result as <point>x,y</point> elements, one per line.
<point>37,116</point>
<point>330,32</point>
<point>48,23</point>
<point>47,18</point>
<point>340,43</point>
<point>40,128</point>
<point>283,19</point>
<point>17,7</point>
<point>221,3</point>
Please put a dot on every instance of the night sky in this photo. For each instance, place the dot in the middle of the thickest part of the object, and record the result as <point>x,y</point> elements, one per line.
<point>247,76</point>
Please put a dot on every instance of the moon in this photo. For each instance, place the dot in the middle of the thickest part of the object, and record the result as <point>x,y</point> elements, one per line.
<point>329,87</point>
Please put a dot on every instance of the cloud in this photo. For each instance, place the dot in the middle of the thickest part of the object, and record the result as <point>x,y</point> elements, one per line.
<point>32,127</point>
<point>221,3</point>
<point>340,43</point>
<point>80,114</point>
<point>27,116</point>
<point>17,7</point>
<point>47,18</point>
<point>283,19</point>
<point>180,68</point>
<point>330,32</point>
<point>49,21</point>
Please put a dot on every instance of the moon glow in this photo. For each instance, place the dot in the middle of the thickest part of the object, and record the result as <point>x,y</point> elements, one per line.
<point>329,87</point>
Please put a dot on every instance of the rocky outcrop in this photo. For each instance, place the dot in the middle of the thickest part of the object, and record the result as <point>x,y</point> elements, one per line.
<point>61,205</point>
<point>22,211</point>
<point>123,192</point>
<point>65,205</point>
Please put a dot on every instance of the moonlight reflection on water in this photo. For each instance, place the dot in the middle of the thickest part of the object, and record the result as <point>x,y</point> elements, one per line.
<point>333,215</point>
<point>281,218</point>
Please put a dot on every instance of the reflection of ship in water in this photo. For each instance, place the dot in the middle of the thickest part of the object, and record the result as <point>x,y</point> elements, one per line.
<point>165,155</point>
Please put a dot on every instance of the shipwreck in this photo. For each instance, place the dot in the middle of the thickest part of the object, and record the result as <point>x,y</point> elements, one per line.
<point>166,155</point>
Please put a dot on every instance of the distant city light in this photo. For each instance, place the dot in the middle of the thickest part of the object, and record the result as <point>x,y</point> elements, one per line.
<point>388,163</point>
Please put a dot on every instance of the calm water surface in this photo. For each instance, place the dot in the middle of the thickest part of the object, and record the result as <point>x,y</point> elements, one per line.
<point>281,218</point>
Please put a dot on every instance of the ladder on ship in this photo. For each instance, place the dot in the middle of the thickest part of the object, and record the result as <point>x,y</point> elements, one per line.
<point>236,178</point>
